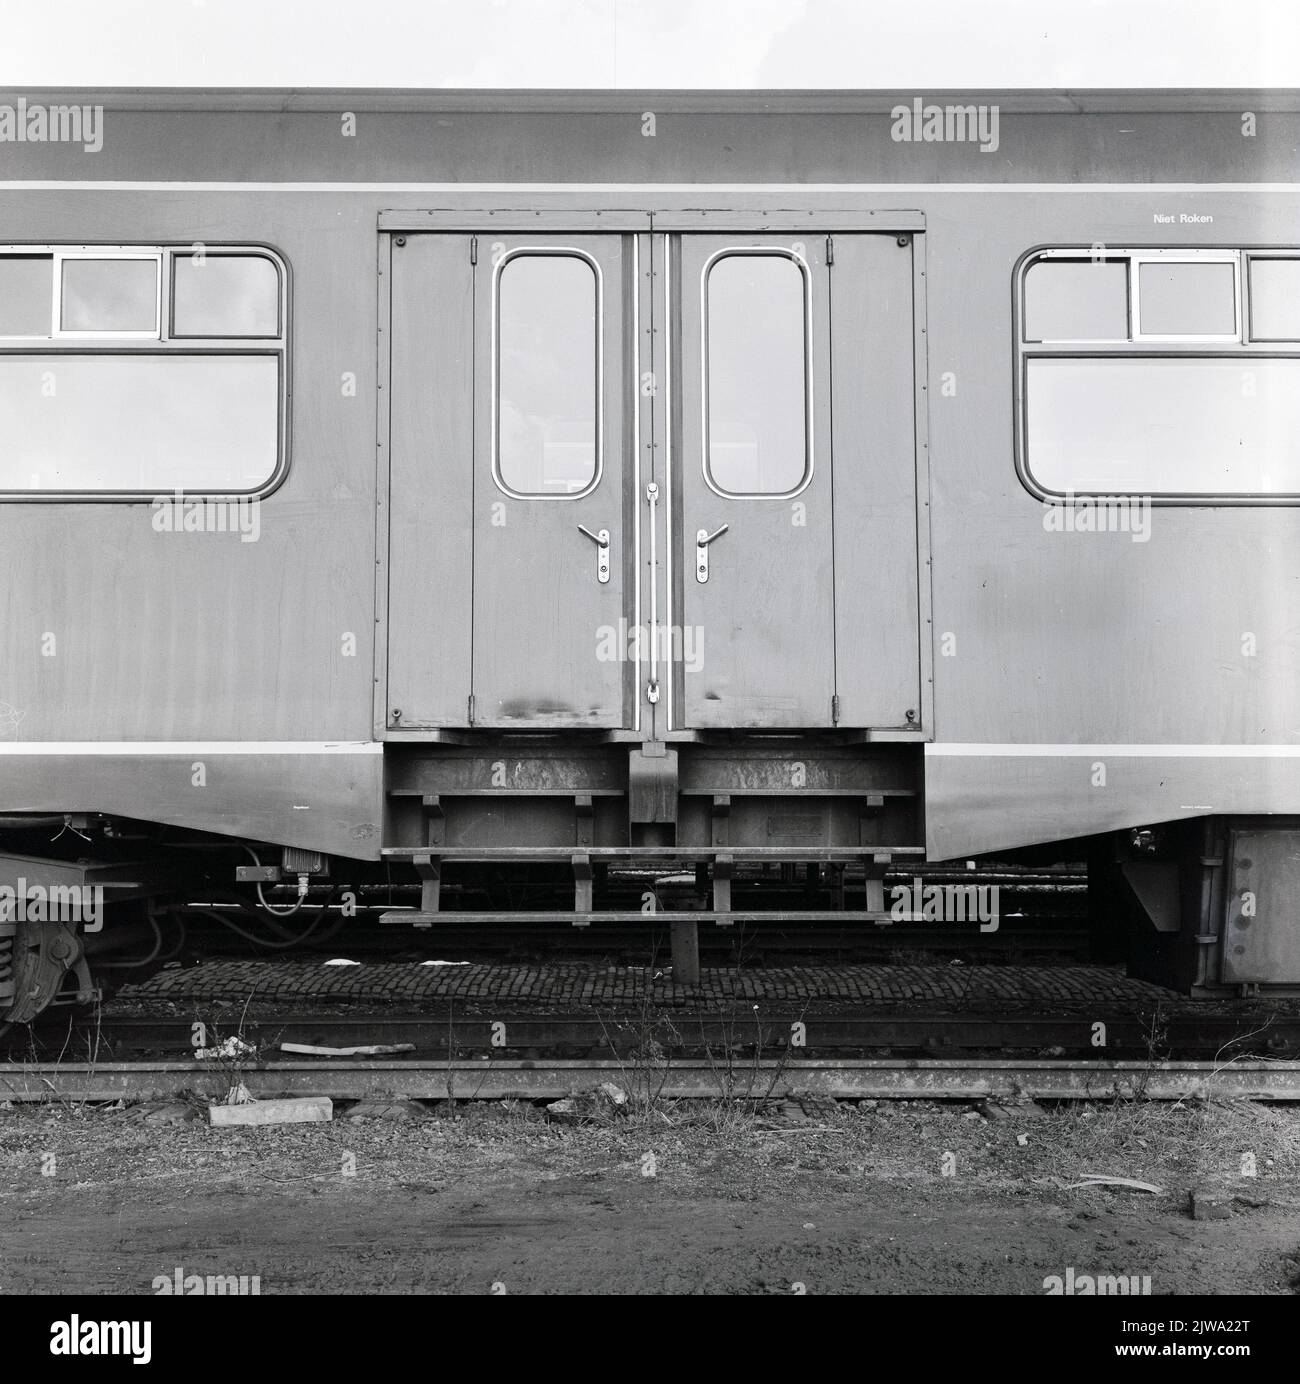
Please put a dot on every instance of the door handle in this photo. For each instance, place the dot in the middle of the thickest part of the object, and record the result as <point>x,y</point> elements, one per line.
<point>601,540</point>
<point>702,540</point>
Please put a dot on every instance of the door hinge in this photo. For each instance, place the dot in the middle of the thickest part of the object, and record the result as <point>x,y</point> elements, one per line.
<point>830,250</point>
<point>473,249</point>
<point>469,709</point>
<point>835,709</point>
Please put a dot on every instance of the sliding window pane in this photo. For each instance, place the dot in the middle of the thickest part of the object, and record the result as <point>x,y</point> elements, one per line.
<point>1275,299</point>
<point>225,295</point>
<point>26,290</point>
<point>1187,299</point>
<point>1077,300</point>
<point>110,295</point>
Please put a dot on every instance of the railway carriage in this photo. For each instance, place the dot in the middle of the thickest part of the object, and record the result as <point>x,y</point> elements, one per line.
<point>522,505</point>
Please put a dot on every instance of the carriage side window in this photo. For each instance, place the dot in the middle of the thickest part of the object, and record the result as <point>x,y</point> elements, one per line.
<point>100,398</point>
<point>26,289</point>
<point>1274,298</point>
<point>1076,300</point>
<point>1188,299</point>
<point>1158,425</point>
<point>80,292</point>
<point>1172,398</point>
<point>225,295</point>
<point>547,368</point>
<point>119,296</point>
<point>756,366</point>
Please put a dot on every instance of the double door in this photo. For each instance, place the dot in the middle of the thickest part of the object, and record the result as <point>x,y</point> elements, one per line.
<point>652,482</point>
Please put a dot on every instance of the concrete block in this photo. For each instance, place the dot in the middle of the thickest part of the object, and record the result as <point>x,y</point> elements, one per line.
<point>295,1110</point>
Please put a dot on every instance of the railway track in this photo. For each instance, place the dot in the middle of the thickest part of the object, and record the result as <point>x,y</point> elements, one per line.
<point>485,1079</point>
<point>511,1031</point>
<point>499,1030</point>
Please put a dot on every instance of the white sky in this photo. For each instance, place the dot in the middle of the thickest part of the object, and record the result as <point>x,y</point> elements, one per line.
<point>651,43</point>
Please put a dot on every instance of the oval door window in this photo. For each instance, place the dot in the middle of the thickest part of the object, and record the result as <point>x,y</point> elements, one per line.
<point>547,423</point>
<point>756,419</point>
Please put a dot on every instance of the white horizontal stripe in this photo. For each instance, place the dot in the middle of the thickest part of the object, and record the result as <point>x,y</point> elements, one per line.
<point>97,185</point>
<point>958,750</point>
<point>973,751</point>
<point>130,748</point>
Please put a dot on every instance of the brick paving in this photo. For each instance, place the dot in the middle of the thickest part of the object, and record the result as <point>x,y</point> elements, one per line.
<point>575,987</point>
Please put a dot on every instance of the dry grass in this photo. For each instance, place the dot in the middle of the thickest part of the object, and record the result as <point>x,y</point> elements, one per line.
<point>1178,1143</point>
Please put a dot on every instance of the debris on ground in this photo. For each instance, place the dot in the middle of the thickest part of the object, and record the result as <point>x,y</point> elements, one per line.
<point>232,1049</point>
<point>597,1106</point>
<point>374,1050</point>
<point>1102,1180</point>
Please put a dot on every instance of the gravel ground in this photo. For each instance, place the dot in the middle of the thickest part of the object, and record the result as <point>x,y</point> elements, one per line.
<point>916,1197</point>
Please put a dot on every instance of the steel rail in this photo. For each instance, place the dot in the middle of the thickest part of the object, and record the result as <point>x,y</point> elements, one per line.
<point>518,1031</point>
<point>499,1080</point>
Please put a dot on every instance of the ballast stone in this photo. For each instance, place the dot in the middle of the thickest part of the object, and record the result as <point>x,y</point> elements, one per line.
<point>393,1110</point>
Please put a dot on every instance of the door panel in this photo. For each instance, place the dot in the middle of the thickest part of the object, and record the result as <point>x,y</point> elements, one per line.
<point>430,517</point>
<point>551,543</point>
<point>752,509</point>
<point>877,621</point>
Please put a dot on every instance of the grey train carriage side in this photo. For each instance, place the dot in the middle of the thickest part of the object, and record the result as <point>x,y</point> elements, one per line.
<point>523,498</point>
